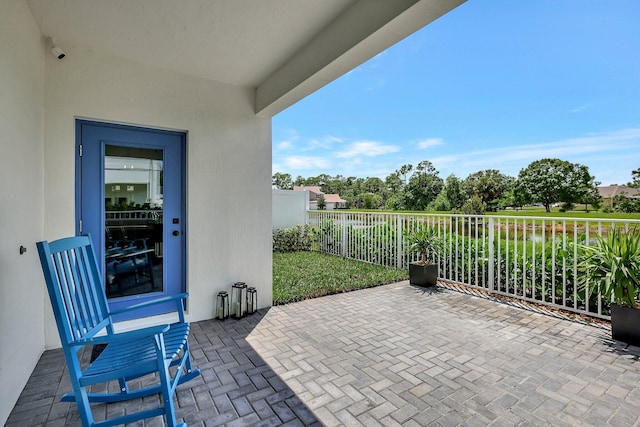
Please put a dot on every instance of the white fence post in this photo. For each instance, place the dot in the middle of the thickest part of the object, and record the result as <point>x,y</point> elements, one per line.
<point>399,241</point>
<point>343,250</point>
<point>492,253</point>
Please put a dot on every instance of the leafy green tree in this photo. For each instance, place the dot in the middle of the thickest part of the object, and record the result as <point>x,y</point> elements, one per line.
<point>490,185</point>
<point>343,186</point>
<point>352,187</point>
<point>395,202</point>
<point>339,185</point>
<point>567,206</point>
<point>591,197</point>
<point>584,189</point>
<point>548,181</point>
<point>323,179</point>
<point>451,197</point>
<point>394,183</point>
<point>474,206</point>
<point>403,172</point>
<point>319,180</point>
<point>334,185</point>
<point>282,181</point>
<point>625,204</point>
<point>373,185</point>
<point>322,203</point>
<point>423,186</point>
<point>635,174</point>
<point>357,186</point>
<point>441,203</point>
<point>454,193</point>
<point>517,197</point>
<point>368,201</point>
<point>596,203</point>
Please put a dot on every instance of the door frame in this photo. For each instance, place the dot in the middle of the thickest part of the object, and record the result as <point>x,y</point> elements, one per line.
<point>98,241</point>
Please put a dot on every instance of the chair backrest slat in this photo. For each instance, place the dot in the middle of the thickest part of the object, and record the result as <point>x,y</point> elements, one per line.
<point>65,294</point>
<point>82,305</point>
<point>88,291</point>
<point>75,287</point>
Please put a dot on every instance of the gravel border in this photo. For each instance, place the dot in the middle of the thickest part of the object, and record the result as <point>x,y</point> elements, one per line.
<point>526,305</point>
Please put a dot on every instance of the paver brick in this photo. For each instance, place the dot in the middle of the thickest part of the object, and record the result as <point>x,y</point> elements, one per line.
<point>455,360</point>
<point>404,413</point>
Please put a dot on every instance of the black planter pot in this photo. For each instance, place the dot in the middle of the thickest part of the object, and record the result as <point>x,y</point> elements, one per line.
<point>423,275</point>
<point>625,324</point>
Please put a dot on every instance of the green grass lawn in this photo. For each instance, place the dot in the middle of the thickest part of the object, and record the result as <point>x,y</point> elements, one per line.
<point>303,275</point>
<point>569,214</point>
<point>528,211</point>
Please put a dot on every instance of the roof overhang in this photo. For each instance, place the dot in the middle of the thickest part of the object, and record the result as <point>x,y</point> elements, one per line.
<point>284,49</point>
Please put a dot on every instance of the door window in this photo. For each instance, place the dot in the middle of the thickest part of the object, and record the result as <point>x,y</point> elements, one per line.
<point>133,220</point>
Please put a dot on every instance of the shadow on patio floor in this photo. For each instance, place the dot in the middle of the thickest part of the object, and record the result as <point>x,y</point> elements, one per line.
<point>236,388</point>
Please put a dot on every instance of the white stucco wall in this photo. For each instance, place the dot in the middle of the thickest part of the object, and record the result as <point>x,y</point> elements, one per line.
<point>22,289</point>
<point>289,208</point>
<point>228,163</point>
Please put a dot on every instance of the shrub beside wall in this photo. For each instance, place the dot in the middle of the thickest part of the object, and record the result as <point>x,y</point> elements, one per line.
<point>293,239</point>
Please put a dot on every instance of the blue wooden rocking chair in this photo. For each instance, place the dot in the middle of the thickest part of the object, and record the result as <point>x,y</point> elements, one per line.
<point>80,307</point>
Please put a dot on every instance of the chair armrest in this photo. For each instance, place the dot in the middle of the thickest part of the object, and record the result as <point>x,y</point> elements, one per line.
<point>123,336</point>
<point>160,300</point>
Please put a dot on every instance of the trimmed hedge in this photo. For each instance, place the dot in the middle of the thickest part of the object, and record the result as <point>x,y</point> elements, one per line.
<point>293,239</point>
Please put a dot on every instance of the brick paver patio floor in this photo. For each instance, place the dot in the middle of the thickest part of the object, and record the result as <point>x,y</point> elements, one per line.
<point>391,355</point>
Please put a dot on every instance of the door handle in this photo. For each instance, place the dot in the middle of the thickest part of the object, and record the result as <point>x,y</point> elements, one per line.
<point>176,233</point>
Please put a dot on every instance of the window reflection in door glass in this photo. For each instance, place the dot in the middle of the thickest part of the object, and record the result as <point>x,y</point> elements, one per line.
<point>133,200</point>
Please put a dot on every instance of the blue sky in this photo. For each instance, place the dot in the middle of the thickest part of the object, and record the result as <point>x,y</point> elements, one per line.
<point>494,84</point>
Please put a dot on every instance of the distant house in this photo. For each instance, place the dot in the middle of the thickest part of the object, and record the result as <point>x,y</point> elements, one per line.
<point>609,192</point>
<point>332,201</point>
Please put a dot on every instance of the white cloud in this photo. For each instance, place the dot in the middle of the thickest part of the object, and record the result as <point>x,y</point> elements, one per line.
<point>592,150</point>
<point>292,138</point>
<point>285,145</point>
<point>367,148</point>
<point>580,108</point>
<point>296,142</point>
<point>430,142</point>
<point>326,142</point>
<point>305,162</point>
<point>610,156</point>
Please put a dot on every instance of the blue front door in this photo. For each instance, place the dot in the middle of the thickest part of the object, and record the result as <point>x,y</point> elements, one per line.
<point>130,198</point>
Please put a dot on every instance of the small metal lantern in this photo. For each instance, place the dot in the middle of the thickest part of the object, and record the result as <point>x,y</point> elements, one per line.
<point>252,300</point>
<point>222,305</point>
<point>238,300</point>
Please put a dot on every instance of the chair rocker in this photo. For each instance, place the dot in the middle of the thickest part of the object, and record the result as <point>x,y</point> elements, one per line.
<point>83,318</point>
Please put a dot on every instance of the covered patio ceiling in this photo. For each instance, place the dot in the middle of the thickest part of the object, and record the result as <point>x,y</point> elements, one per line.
<point>285,49</point>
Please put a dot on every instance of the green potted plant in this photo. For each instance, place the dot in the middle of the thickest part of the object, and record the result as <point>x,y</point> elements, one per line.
<point>612,268</point>
<point>425,242</point>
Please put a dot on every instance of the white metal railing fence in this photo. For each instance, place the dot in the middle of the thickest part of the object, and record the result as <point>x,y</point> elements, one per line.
<point>529,258</point>
<point>138,214</point>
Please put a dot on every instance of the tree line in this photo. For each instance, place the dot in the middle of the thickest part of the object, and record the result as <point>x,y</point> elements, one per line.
<point>546,181</point>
